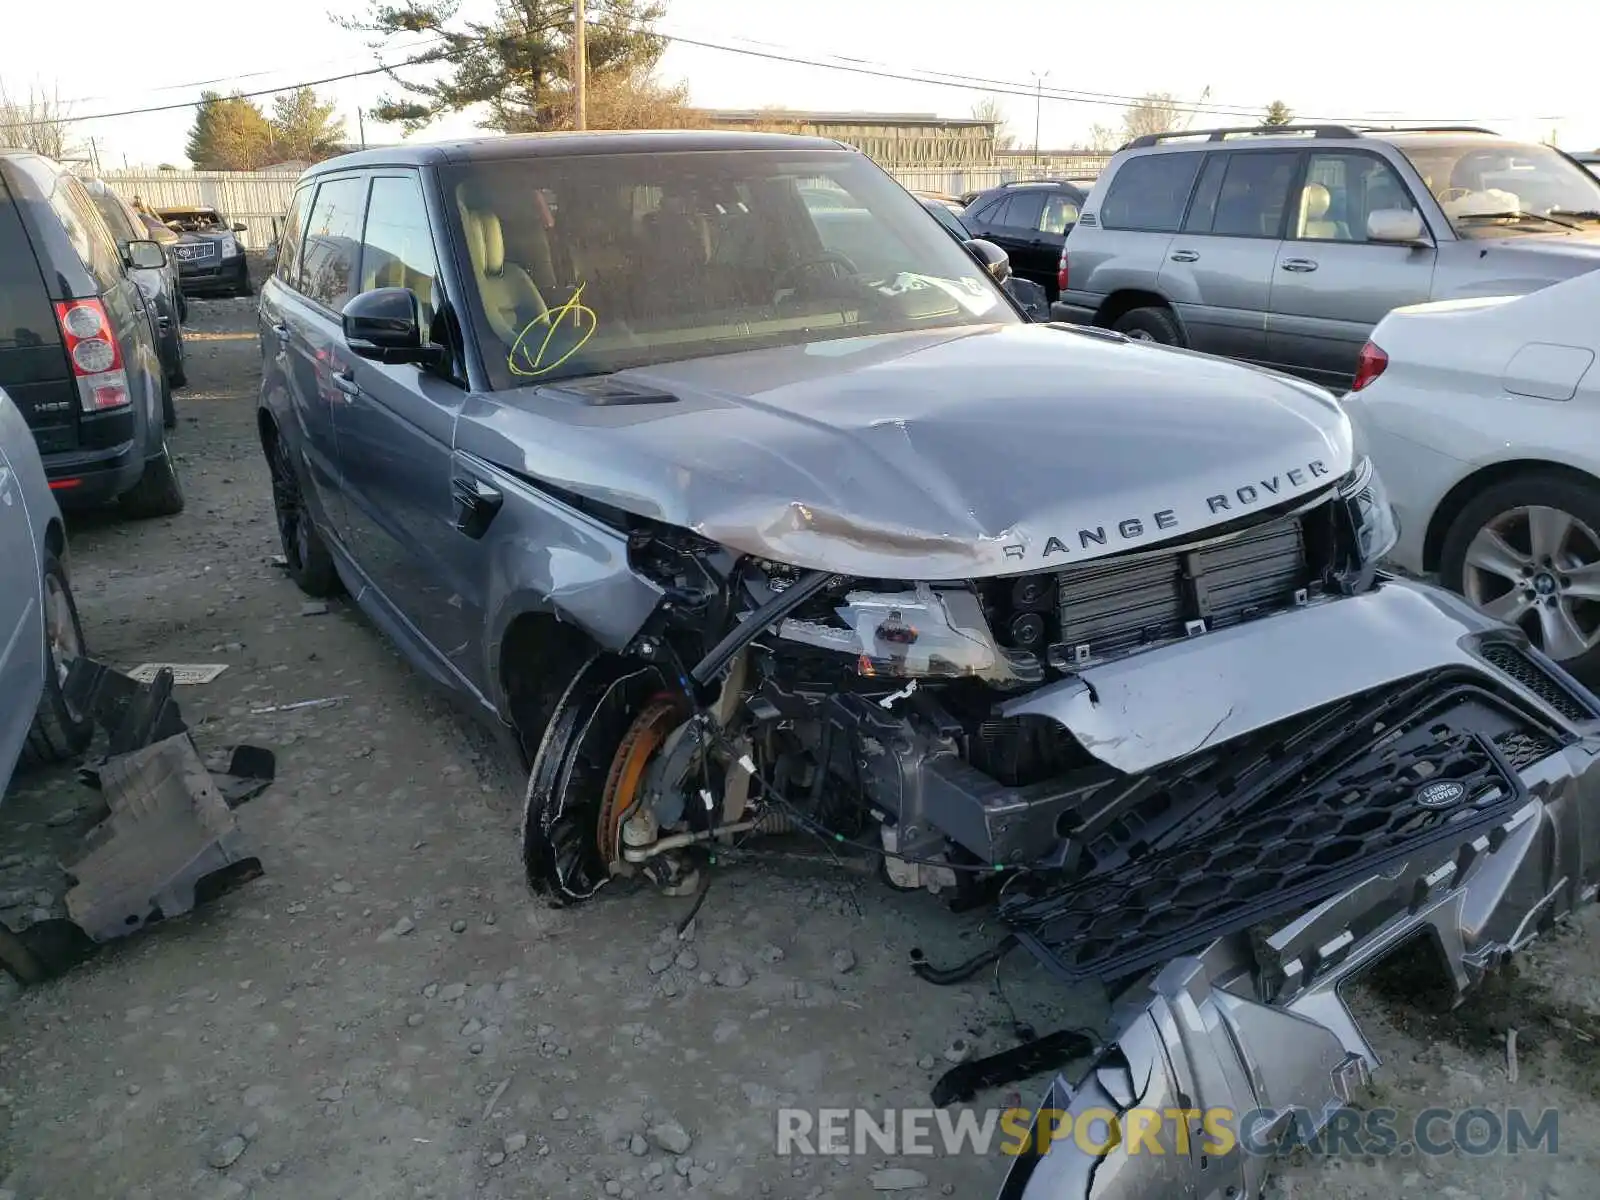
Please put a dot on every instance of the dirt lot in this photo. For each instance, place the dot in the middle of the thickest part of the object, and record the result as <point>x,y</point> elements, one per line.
<point>389,1013</point>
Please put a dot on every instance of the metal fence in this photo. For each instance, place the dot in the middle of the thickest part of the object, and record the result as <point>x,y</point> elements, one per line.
<point>259,199</point>
<point>255,199</point>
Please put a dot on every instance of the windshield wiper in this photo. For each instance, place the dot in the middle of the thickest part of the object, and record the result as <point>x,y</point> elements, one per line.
<point>1515,214</point>
<point>1581,214</point>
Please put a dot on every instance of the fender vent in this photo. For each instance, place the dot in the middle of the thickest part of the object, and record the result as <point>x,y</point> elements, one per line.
<point>1535,677</point>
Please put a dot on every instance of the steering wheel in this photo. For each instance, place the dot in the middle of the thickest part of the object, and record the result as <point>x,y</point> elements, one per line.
<point>1452,193</point>
<point>826,258</point>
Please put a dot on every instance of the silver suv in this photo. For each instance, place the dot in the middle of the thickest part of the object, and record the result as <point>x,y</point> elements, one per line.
<point>1286,246</point>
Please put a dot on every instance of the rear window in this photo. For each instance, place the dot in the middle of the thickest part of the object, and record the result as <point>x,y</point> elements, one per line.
<point>26,318</point>
<point>1150,192</point>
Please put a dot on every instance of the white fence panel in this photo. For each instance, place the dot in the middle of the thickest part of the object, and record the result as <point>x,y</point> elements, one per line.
<point>255,199</point>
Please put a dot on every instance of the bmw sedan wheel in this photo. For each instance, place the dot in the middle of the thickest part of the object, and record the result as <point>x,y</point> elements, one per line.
<point>1527,552</point>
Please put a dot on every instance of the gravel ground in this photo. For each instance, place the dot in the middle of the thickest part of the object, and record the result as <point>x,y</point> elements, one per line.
<point>388,1012</point>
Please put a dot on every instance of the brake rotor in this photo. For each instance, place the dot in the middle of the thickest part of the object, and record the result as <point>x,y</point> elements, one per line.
<point>644,738</point>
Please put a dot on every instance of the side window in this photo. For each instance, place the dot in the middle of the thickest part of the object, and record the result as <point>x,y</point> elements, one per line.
<point>991,212</point>
<point>1024,210</point>
<point>1342,191</point>
<point>1150,192</point>
<point>87,231</point>
<point>1255,193</point>
<point>288,266</point>
<point>397,250</point>
<point>25,315</point>
<point>1204,207</point>
<point>1060,211</point>
<point>331,252</point>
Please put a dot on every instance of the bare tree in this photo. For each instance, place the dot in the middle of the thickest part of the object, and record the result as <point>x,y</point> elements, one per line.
<point>40,122</point>
<point>1103,139</point>
<point>1154,112</point>
<point>989,109</point>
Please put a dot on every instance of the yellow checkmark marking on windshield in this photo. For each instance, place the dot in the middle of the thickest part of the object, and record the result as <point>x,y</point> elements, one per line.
<point>573,317</point>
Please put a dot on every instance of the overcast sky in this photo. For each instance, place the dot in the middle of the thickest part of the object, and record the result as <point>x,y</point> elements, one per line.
<point>1527,71</point>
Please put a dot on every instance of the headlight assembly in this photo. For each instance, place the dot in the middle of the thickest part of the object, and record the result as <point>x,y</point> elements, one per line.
<point>1377,528</point>
<point>921,632</point>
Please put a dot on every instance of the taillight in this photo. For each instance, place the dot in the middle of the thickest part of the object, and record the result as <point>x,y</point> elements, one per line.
<point>96,358</point>
<point>1369,366</point>
<point>1061,272</point>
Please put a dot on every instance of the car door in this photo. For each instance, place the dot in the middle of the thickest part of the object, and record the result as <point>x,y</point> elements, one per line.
<point>395,429</point>
<point>1219,269</point>
<point>308,326</point>
<point>21,619</point>
<point>1015,229</point>
<point>1332,284</point>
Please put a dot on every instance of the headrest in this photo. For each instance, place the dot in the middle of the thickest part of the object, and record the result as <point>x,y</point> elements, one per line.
<point>494,244</point>
<point>1315,202</point>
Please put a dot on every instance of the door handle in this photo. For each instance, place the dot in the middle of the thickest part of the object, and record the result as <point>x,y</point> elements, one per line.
<point>1185,256</point>
<point>1298,264</point>
<point>476,504</point>
<point>282,331</point>
<point>345,381</point>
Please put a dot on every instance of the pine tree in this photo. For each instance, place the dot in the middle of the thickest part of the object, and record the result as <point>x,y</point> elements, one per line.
<point>229,134</point>
<point>1278,113</point>
<point>303,128</point>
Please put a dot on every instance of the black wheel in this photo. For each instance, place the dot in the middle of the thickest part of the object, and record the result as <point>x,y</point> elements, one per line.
<point>310,564</point>
<point>59,731</point>
<point>169,408</point>
<point>1527,551</point>
<point>183,308</point>
<point>1150,325</point>
<point>180,371</point>
<point>591,730</point>
<point>157,494</point>
<point>244,286</point>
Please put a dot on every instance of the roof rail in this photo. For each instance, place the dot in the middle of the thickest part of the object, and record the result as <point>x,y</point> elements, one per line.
<point>1426,129</point>
<point>1218,135</point>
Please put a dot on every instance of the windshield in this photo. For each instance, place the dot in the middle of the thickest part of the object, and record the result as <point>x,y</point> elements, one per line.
<point>591,264</point>
<point>192,220</point>
<point>1490,188</point>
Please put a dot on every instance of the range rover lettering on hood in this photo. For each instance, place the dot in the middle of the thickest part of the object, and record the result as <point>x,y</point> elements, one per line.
<point>1138,528</point>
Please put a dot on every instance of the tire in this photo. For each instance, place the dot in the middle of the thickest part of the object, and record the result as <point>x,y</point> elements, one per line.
<point>157,494</point>
<point>1497,506</point>
<point>180,374</point>
<point>244,286</point>
<point>169,409</point>
<point>310,565</point>
<point>1150,324</point>
<point>58,733</point>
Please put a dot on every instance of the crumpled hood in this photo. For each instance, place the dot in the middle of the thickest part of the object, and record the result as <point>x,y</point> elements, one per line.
<point>940,455</point>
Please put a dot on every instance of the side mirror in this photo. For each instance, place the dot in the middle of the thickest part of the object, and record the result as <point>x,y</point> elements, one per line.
<point>385,325</point>
<point>1402,226</point>
<point>991,258</point>
<point>237,228</point>
<point>145,255</point>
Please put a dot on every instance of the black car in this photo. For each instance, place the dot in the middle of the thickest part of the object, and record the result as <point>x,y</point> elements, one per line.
<point>210,258</point>
<point>162,295</point>
<point>1025,292</point>
<point>1030,222</point>
<point>78,351</point>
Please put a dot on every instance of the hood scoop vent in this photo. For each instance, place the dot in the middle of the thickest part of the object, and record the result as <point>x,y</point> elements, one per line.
<point>606,392</point>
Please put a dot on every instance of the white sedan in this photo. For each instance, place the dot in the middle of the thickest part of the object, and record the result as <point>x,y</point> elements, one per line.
<point>1483,419</point>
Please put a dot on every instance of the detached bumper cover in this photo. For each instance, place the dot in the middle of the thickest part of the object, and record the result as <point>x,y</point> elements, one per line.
<point>1253,1023</point>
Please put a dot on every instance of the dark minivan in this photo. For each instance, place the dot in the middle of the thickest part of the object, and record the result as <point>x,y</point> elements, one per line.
<point>78,353</point>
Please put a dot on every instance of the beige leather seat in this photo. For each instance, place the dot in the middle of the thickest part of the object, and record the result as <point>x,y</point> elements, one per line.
<point>1315,201</point>
<point>510,300</point>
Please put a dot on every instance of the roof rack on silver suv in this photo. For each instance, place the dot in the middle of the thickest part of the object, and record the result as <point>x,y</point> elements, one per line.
<point>1320,131</point>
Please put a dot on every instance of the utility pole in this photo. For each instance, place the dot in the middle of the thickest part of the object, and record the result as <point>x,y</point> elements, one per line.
<point>361,126</point>
<point>580,69</point>
<point>1038,106</point>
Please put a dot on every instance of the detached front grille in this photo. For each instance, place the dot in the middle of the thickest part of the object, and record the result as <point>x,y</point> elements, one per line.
<point>1112,607</point>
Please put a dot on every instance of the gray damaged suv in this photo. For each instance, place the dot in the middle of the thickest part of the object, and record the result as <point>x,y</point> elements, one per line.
<point>1286,246</point>
<point>729,533</point>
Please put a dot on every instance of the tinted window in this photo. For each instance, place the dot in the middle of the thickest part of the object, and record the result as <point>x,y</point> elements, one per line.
<point>288,268</point>
<point>1024,210</point>
<point>398,247</point>
<point>25,314</point>
<point>87,232</point>
<point>332,247</point>
<point>989,214</point>
<point>1255,193</point>
<point>1204,207</point>
<point>1341,191</point>
<point>1150,192</point>
<point>113,214</point>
